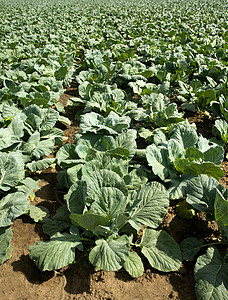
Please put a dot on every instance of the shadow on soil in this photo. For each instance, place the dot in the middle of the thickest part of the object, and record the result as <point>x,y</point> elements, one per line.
<point>183,283</point>
<point>78,279</point>
<point>26,266</point>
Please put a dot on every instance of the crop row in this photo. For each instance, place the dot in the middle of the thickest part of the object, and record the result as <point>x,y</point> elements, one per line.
<point>138,69</point>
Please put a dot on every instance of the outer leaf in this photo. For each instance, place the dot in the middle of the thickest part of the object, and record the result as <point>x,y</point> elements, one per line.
<point>6,139</point>
<point>94,122</point>
<point>40,165</point>
<point>67,153</point>
<point>28,186</point>
<point>44,148</point>
<point>214,154</point>
<point>201,193</point>
<point>161,250</point>
<point>38,213</point>
<point>110,255</point>
<point>49,117</point>
<point>150,204</point>
<point>204,168</point>
<point>11,170</point>
<point>76,197</point>
<point>134,265</point>
<point>6,249</point>
<point>12,206</point>
<point>73,174</point>
<point>185,135</point>
<point>91,166</point>
<point>175,149</point>
<point>221,212</point>
<point>31,144</point>
<point>222,127</point>
<point>189,247</point>
<point>138,177</point>
<point>211,273</point>
<point>127,140</point>
<point>56,253</point>
<point>178,186</point>
<point>58,222</point>
<point>157,157</point>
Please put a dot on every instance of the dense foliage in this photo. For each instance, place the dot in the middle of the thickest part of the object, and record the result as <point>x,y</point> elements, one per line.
<point>138,67</point>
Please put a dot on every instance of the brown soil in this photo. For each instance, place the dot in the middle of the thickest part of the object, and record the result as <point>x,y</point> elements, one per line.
<point>204,123</point>
<point>74,127</point>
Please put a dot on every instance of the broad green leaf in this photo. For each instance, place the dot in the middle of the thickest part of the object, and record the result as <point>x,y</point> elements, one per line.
<point>82,151</point>
<point>149,204</point>
<point>56,253</point>
<point>190,247</point>
<point>31,144</point>
<point>60,74</point>
<point>119,166</point>
<point>127,140</point>
<point>38,213</point>
<point>6,138</point>
<point>221,211</point>
<point>211,272</point>
<point>112,124</point>
<point>67,153</point>
<point>11,170</point>
<point>185,135</point>
<point>89,221</point>
<point>44,148</point>
<point>175,149</point>
<point>161,250</point>
<point>120,152</point>
<point>222,128</point>
<point>105,143</point>
<point>40,165</point>
<point>103,178</point>
<point>58,222</point>
<point>215,154</point>
<point>12,206</point>
<point>134,265</point>
<point>73,174</point>
<point>157,157</point>
<point>110,255</point>
<point>146,133</point>
<point>193,153</point>
<point>207,168</point>
<point>76,196</point>
<point>159,137</point>
<point>138,176</point>
<point>6,248</point>
<point>56,133</point>
<point>111,202</point>
<point>178,186</point>
<point>17,126</point>
<point>201,193</point>
<point>84,90</point>
<point>91,166</point>
<point>49,118</point>
<point>28,186</point>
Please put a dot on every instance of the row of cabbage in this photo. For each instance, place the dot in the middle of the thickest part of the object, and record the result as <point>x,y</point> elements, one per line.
<point>135,65</point>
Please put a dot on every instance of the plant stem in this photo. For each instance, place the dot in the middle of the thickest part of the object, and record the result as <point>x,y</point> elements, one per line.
<point>215,243</point>
<point>87,240</point>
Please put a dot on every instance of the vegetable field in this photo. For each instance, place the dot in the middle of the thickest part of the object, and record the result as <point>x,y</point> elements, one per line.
<point>113,149</point>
